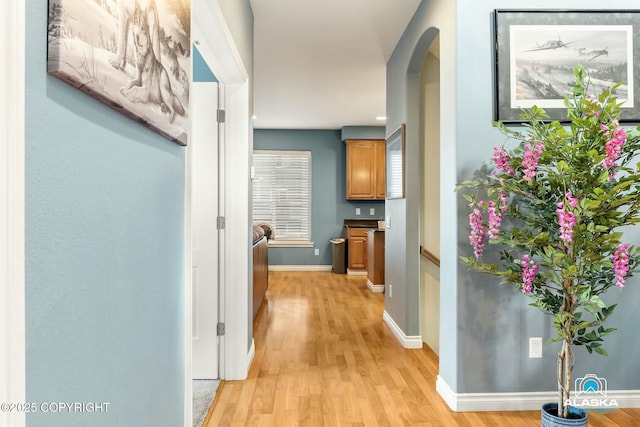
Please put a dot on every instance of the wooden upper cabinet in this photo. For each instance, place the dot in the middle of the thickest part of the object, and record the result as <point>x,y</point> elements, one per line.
<point>380,169</point>
<point>366,179</point>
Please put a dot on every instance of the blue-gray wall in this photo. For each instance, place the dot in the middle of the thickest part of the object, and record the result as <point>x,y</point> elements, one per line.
<point>104,256</point>
<point>329,204</point>
<point>201,71</point>
<point>484,327</point>
<point>362,132</point>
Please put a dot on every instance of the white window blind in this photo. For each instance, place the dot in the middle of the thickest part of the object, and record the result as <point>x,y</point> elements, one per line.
<point>282,193</point>
<point>396,173</point>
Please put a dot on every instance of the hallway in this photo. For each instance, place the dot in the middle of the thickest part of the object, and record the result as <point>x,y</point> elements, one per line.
<point>324,357</point>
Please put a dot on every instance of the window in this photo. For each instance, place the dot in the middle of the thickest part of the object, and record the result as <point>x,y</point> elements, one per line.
<point>282,195</point>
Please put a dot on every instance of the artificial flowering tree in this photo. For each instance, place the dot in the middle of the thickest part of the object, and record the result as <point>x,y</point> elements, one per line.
<point>554,209</point>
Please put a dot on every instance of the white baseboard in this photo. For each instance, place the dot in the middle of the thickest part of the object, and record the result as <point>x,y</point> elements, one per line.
<point>475,402</point>
<point>375,288</point>
<point>351,272</point>
<point>300,268</point>
<point>406,341</point>
<point>251,355</point>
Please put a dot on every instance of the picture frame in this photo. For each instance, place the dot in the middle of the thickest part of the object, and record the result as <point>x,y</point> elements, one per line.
<point>537,50</point>
<point>395,164</point>
<point>133,56</point>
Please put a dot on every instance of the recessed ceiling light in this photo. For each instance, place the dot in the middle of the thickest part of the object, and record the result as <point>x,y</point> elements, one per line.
<point>381,118</point>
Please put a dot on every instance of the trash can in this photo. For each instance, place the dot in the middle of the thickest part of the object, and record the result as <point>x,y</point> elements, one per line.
<point>338,252</point>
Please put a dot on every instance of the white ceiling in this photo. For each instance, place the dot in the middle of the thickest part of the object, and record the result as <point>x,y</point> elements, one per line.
<point>321,64</point>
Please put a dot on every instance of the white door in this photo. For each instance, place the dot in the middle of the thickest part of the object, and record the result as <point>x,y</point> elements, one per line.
<point>204,212</point>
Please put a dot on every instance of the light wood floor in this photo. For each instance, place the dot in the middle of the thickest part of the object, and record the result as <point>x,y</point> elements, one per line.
<point>324,357</point>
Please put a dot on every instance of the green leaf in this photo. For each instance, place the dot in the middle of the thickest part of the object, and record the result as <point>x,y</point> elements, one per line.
<point>601,351</point>
<point>596,300</point>
<point>591,336</point>
<point>608,310</point>
<point>562,166</point>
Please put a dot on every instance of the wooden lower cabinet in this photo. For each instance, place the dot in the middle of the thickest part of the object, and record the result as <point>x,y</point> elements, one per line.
<point>260,273</point>
<point>375,260</point>
<point>357,249</point>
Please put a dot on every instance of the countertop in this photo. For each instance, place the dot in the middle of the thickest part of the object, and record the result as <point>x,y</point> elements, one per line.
<point>361,223</point>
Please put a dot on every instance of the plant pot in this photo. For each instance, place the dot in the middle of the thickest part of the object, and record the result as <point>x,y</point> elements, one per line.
<point>577,417</point>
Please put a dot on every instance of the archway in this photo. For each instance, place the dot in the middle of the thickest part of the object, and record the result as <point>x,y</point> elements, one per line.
<point>429,216</point>
<point>423,132</point>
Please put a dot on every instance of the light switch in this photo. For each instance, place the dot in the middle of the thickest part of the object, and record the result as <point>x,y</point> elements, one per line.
<point>535,347</point>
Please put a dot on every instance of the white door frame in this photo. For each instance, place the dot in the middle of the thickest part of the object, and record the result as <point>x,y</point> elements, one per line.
<point>203,152</point>
<point>215,43</point>
<point>12,189</point>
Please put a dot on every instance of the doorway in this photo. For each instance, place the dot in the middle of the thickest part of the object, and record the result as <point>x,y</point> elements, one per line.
<point>235,345</point>
<point>430,197</point>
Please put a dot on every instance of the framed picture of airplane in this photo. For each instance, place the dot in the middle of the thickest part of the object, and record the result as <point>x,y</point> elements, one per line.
<point>536,51</point>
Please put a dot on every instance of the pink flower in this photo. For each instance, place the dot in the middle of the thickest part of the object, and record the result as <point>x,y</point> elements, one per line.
<point>593,101</point>
<point>477,231</point>
<point>495,219</point>
<point>503,201</point>
<point>501,159</point>
<point>529,270</point>
<point>620,258</point>
<point>566,218</point>
<point>613,147</point>
<point>530,161</point>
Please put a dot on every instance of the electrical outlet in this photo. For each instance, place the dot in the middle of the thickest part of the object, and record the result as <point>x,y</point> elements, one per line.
<point>372,211</point>
<point>390,291</point>
<point>535,348</point>
<point>317,252</point>
<point>357,211</point>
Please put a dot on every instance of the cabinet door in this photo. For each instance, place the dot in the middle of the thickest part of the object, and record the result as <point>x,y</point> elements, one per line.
<point>380,169</point>
<point>360,173</point>
<point>357,248</point>
<point>358,253</point>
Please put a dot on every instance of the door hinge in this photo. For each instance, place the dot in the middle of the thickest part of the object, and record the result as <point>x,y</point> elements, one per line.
<point>220,329</point>
<point>221,115</point>
<point>220,223</point>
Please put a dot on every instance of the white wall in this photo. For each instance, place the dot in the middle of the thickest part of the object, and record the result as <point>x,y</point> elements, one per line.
<point>430,200</point>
